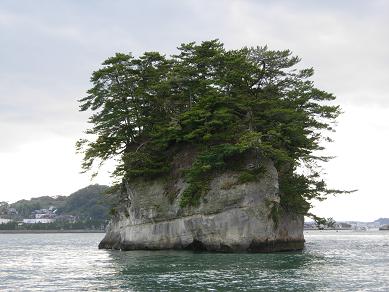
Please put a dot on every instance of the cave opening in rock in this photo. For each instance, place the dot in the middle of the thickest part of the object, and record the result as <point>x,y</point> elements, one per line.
<point>196,245</point>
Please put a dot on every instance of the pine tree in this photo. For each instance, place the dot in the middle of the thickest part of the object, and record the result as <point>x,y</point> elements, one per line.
<point>224,102</point>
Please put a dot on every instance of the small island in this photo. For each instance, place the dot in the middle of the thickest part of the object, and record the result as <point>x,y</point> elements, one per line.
<point>216,149</point>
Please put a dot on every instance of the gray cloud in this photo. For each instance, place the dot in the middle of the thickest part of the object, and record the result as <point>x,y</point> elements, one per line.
<point>48,49</point>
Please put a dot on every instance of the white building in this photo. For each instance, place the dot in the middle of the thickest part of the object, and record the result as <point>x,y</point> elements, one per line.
<point>4,221</point>
<point>38,220</point>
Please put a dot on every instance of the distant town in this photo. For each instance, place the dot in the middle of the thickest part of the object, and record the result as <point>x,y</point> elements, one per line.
<point>87,208</point>
<point>43,216</point>
<point>379,224</point>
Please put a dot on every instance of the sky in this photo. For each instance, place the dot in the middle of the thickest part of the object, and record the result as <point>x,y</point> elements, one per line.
<point>48,50</point>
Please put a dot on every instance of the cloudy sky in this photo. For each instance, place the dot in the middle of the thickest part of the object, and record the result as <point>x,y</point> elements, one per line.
<point>48,50</point>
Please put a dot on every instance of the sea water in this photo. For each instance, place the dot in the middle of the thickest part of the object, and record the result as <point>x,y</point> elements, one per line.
<point>331,261</point>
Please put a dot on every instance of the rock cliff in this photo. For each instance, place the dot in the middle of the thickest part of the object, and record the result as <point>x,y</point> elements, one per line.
<point>231,216</point>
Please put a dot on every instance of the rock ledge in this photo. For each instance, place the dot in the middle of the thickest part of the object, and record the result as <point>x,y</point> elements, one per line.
<point>231,217</point>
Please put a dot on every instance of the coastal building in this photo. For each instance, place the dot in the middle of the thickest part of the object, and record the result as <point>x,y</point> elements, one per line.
<point>48,216</point>
<point>44,213</point>
<point>342,226</point>
<point>336,226</point>
<point>38,220</point>
<point>12,211</point>
<point>4,221</point>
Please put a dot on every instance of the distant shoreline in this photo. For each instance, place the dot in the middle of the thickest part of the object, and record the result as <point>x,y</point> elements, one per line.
<point>50,231</point>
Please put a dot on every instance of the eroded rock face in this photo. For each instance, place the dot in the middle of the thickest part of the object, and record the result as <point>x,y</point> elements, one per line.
<point>232,216</point>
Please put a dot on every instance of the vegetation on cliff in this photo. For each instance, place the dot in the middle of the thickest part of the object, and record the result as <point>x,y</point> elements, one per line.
<point>224,103</point>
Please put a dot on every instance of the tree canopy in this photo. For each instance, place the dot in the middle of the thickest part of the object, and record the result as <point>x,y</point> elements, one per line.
<point>224,102</point>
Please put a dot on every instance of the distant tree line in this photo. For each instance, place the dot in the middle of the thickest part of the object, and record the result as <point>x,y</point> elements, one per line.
<point>91,206</point>
<point>91,224</point>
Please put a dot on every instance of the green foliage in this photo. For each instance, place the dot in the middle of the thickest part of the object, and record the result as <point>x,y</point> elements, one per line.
<point>275,213</point>
<point>113,211</point>
<point>209,161</point>
<point>225,103</point>
<point>246,176</point>
<point>192,194</point>
<point>88,203</point>
<point>3,208</point>
<point>12,225</point>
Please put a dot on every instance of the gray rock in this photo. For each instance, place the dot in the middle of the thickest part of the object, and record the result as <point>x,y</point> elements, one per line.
<point>232,216</point>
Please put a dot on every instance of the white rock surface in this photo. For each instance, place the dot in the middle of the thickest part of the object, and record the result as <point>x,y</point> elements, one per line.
<point>230,217</point>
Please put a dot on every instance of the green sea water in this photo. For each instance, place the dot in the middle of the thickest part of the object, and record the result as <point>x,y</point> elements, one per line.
<point>331,261</point>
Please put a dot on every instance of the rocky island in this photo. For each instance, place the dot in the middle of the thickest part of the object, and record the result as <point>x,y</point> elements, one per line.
<point>209,144</point>
<point>232,216</point>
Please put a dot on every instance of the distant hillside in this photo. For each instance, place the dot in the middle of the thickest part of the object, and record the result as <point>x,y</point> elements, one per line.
<point>86,203</point>
<point>89,202</point>
<point>382,221</point>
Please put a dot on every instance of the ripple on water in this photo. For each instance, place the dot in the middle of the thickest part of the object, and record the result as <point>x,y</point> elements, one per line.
<point>331,261</point>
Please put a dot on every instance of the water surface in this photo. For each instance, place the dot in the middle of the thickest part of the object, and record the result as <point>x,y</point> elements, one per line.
<point>331,261</point>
